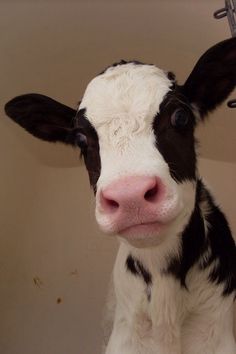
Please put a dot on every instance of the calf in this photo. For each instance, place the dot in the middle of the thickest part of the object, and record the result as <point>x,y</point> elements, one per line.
<point>175,273</point>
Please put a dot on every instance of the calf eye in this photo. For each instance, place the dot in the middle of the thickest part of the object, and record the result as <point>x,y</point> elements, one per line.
<point>81,140</point>
<point>180,118</point>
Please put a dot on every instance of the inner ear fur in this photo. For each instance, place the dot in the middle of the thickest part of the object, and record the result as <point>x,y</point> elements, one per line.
<point>43,117</point>
<point>213,77</point>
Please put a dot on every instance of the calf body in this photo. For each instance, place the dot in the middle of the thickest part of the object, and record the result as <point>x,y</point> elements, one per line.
<point>175,273</point>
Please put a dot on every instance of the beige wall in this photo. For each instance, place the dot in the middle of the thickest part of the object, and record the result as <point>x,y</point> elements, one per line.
<point>54,264</point>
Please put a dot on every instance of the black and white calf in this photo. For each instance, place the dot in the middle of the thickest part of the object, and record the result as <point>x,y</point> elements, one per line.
<point>175,273</point>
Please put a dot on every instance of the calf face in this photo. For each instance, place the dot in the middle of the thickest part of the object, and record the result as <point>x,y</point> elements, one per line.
<point>135,128</point>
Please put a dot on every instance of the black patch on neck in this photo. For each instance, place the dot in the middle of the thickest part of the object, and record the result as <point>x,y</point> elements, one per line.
<point>91,153</point>
<point>176,145</point>
<point>136,268</point>
<point>218,241</point>
<point>193,244</point>
<point>223,248</point>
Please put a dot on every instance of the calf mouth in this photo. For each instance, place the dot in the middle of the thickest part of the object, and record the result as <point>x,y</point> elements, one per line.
<point>141,230</point>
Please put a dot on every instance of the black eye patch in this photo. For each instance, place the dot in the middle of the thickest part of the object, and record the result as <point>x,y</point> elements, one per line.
<point>174,131</point>
<point>86,138</point>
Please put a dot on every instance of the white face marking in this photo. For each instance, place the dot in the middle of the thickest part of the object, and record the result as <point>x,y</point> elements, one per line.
<point>121,105</point>
<point>122,102</point>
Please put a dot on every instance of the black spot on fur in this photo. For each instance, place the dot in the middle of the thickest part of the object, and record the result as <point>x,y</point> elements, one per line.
<point>222,248</point>
<point>218,243</point>
<point>91,153</point>
<point>177,145</point>
<point>171,76</point>
<point>193,244</point>
<point>136,268</point>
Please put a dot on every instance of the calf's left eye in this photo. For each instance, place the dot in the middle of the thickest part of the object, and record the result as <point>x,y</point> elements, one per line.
<point>179,118</point>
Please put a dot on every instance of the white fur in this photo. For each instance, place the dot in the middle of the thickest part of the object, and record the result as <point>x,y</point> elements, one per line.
<point>176,321</point>
<point>123,101</point>
<point>121,104</point>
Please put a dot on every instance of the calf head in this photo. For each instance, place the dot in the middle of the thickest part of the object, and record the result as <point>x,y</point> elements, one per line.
<point>135,128</point>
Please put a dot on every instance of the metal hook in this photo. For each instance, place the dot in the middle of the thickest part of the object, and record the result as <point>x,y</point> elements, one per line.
<point>231,104</point>
<point>220,13</point>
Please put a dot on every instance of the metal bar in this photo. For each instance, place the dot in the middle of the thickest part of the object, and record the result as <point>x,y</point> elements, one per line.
<point>231,6</point>
<point>232,23</point>
<point>234,15</point>
<point>230,11</point>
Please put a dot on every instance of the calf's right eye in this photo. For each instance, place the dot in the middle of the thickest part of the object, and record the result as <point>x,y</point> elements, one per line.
<point>179,118</point>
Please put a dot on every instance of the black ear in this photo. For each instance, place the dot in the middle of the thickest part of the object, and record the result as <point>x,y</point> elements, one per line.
<point>43,117</point>
<point>213,77</point>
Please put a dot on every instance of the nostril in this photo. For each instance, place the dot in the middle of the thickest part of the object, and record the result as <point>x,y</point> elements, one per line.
<point>151,194</point>
<point>108,204</point>
<point>112,203</point>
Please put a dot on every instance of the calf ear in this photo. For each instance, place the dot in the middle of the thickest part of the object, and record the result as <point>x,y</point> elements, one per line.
<point>213,77</point>
<point>43,117</point>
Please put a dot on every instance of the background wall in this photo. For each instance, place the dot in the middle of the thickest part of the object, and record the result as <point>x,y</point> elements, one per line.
<point>54,263</point>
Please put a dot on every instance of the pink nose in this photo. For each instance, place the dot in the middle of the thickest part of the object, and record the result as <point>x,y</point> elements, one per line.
<point>134,192</point>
